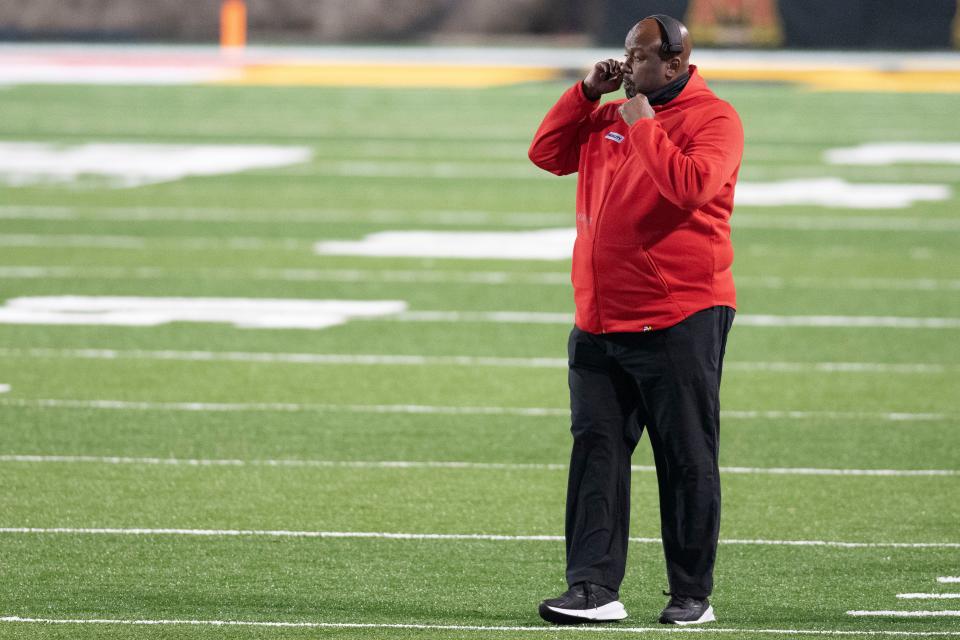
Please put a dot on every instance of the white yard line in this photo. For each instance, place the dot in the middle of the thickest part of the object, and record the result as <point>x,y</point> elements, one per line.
<point>844,223</point>
<point>892,416</point>
<point>57,403</point>
<point>458,218</point>
<point>290,358</point>
<point>71,240</point>
<point>948,579</point>
<point>465,361</point>
<point>452,218</point>
<point>477,628</point>
<point>840,367</point>
<point>351,464</point>
<point>745,320</point>
<point>906,614</point>
<point>131,405</point>
<point>555,278</point>
<point>437,464</point>
<point>319,216</point>
<point>865,284</point>
<point>192,243</point>
<point>928,596</point>
<point>893,322</point>
<point>283,533</point>
<point>67,309</point>
<point>814,471</point>
<point>495,278</point>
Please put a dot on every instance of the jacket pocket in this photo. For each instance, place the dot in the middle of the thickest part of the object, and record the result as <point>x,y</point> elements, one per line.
<point>655,269</point>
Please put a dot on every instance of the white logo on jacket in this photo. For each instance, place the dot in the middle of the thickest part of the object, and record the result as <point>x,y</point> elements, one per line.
<point>616,137</point>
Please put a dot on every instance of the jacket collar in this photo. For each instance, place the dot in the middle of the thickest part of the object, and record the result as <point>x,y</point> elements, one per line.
<point>695,90</point>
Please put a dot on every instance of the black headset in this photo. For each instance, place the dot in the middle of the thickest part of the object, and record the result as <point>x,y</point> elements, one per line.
<point>672,40</point>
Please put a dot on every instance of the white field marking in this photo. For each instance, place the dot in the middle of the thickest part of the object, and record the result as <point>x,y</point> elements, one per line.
<point>466,361</point>
<point>452,218</point>
<point>71,240</point>
<point>542,244</point>
<point>37,212</point>
<point>320,216</point>
<point>887,153</point>
<point>443,218</point>
<point>180,243</point>
<point>534,317</point>
<point>291,358</point>
<point>928,596</point>
<point>836,193</point>
<point>824,192</point>
<point>840,367</point>
<point>130,405</point>
<point>430,464</point>
<point>892,322</point>
<point>56,403</point>
<point>133,165</point>
<point>440,169</point>
<point>891,416</point>
<point>347,464</point>
<point>557,243</point>
<point>867,284</point>
<point>297,275</point>
<point>451,536</point>
<point>906,614</point>
<point>245,313</point>
<point>948,579</point>
<point>4,388</point>
<point>477,628</point>
<point>844,223</point>
<point>559,278</point>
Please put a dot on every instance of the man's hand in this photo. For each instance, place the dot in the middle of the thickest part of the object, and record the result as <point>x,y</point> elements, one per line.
<point>606,76</point>
<point>636,108</point>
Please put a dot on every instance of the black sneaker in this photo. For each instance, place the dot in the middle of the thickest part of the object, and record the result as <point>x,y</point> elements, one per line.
<point>583,602</point>
<point>687,610</point>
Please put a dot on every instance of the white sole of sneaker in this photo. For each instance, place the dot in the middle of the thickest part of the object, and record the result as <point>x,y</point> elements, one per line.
<point>707,616</point>
<point>610,611</point>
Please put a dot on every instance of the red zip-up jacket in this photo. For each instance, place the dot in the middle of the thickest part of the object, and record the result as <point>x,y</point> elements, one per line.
<point>653,205</point>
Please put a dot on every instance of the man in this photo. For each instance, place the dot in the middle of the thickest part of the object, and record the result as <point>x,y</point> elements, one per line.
<point>655,301</point>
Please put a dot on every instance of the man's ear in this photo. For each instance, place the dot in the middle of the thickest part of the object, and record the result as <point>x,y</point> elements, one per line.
<point>673,66</point>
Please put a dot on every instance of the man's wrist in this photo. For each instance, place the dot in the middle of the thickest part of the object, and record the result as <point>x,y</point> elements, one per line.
<point>589,93</point>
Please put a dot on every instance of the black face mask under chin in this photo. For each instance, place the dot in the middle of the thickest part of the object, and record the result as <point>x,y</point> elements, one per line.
<point>667,92</point>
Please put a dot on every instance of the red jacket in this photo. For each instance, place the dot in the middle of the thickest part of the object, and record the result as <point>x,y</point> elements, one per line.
<point>653,205</point>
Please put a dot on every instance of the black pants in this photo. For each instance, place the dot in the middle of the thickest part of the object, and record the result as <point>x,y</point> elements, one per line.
<point>669,382</point>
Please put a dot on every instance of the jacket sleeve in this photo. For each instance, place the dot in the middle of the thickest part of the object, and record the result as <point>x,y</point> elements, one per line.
<point>556,145</point>
<point>691,177</point>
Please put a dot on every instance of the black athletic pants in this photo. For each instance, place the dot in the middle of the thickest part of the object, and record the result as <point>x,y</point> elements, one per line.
<point>669,382</point>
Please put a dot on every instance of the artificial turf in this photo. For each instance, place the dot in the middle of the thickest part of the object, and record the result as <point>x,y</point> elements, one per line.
<point>382,161</point>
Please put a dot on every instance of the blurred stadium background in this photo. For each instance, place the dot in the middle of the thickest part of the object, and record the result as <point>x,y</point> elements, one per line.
<point>283,309</point>
<point>869,24</point>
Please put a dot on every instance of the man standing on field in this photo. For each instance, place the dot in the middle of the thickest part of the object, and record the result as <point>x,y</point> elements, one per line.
<point>655,301</point>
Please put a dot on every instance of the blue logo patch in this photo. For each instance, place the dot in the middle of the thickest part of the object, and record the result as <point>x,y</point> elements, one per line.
<point>616,137</point>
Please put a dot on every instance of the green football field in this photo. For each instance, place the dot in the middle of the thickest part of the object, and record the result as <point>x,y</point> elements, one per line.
<point>403,475</point>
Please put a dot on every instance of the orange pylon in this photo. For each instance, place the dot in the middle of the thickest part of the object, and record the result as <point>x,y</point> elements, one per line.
<point>233,24</point>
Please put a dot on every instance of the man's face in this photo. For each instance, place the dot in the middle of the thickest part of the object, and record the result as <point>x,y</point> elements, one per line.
<point>644,71</point>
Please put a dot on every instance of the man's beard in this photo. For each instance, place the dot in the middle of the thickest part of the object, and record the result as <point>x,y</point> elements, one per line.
<point>629,88</point>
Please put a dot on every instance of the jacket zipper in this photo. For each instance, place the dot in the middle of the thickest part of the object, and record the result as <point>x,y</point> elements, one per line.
<point>596,234</point>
